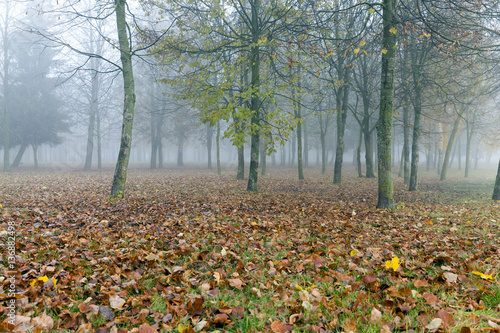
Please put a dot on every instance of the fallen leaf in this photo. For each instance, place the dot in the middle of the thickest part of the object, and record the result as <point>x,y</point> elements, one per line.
<point>434,324</point>
<point>375,315</point>
<point>385,329</point>
<point>43,322</point>
<point>116,302</point>
<point>200,325</point>
<point>146,328</point>
<point>236,283</point>
<point>350,325</point>
<point>492,324</point>
<point>450,277</point>
<point>446,317</point>
<point>221,319</point>
<point>278,327</point>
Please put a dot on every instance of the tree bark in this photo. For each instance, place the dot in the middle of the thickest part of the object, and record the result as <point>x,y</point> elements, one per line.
<point>342,102</point>
<point>180,153</point>
<point>35,156</point>
<point>255,100</point>
<point>5,113</point>
<point>92,116</point>
<point>358,153</point>
<point>120,176</point>
<point>384,127</point>
<point>451,140</point>
<point>496,190</point>
<point>217,142</point>
<point>210,133</point>
<point>470,132</point>
<point>19,155</point>
<point>99,141</point>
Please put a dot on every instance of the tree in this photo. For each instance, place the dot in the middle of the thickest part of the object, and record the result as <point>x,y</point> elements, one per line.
<point>5,80</point>
<point>384,127</point>
<point>496,190</point>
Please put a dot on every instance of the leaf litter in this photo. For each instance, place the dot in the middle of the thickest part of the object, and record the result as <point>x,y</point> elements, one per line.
<point>193,252</point>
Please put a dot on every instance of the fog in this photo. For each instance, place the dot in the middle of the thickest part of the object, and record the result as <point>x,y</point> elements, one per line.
<point>63,97</point>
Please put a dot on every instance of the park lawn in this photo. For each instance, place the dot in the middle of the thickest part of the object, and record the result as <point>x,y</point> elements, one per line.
<point>191,251</point>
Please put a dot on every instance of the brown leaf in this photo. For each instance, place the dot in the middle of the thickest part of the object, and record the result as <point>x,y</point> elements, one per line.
<point>221,319</point>
<point>446,317</point>
<point>375,315</point>
<point>465,329</point>
<point>195,304</point>
<point>421,283</point>
<point>450,277</point>
<point>350,325</point>
<point>43,322</point>
<point>278,327</point>
<point>385,329</point>
<point>430,298</point>
<point>370,278</point>
<point>146,328</point>
<point>236,283</point>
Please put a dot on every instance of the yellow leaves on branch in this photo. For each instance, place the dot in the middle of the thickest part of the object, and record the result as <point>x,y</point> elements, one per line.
<point>425,35</point>
<point>384,51</point>
<point>393,30</point>
<point>371,10</point>
<point>356,51</point>
<point>483,276</point>
<point>394,263</point>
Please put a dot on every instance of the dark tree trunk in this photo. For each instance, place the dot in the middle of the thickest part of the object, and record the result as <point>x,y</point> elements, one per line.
<point>35,156</point>
<point>358,153</point>
<point>210,134</point>
<point>120,176</point>
<point>496,191</point>
<point>180,153</point>
<point>19,156</point>
<point>255,99</point>
<point>451,140</point>
<point>342,102</point>
<point>217,141</point>
<point>384,127</point>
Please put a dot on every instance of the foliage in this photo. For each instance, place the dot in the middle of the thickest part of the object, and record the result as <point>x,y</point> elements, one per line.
<point>193,252</point>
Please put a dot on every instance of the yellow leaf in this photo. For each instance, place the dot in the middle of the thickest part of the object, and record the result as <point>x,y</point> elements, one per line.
<point>362,43</point>
<point>384,51</point>
<point>43,278</point>
<point>356,51</point>
<point>371,10</point>
<point>298,287</point>
<point>273,55</point>
<point>393,30</point>
<point>353,253</point>
<point>366,53</point>
<point>483,276</point>
<point>32,283</point>
<point>55,282</point>
<point>394,263</point>
<point>181,328</point>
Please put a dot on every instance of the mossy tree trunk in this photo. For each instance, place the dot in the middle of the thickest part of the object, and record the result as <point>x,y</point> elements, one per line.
<point>255,99</point>
<point>384,127</point>
<point>496,191</point>
<point>120,176</point>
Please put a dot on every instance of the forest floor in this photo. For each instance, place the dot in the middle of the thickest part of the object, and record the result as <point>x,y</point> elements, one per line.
<point>191,251</point>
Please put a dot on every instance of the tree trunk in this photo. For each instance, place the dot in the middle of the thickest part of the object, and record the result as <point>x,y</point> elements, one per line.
<point>35,156</point>
<point>5,114</point>
<point>298,115</point>
<point>255,99</point>
<point>341,122</point>
<point>19,156</point>
<point>384,127</point>
<point>496,191</point>
<point>470,131</point>
<point>120,176</point>
<point>154,147</point>
<point>306,143</point>
<point>210,134</point>
<point>92,117</point>
<point>160,154</point>
<point>358,153</point>
<point>451,140</point>
<point>241,162</point>
<point>180,153</point>
<point>217,142</point>
<point>99,141</point>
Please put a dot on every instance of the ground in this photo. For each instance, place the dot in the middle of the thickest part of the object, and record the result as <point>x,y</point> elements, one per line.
<point>190,251</point>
